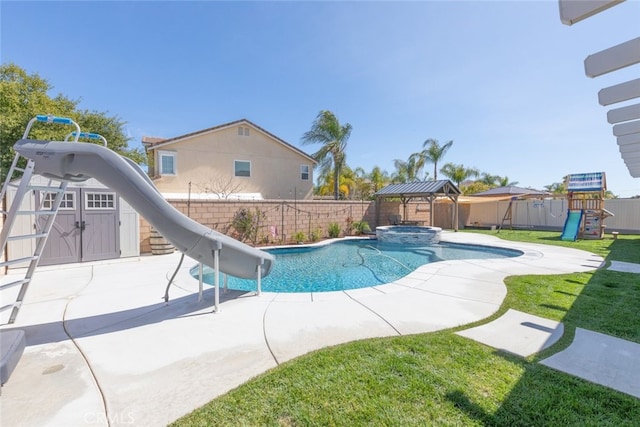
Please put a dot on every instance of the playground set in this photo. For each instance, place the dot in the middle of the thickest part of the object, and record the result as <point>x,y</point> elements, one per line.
<point>586,212</point>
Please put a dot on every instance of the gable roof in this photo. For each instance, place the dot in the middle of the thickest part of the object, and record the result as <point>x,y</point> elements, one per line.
<point>419,189</point>
<point>151,143</point>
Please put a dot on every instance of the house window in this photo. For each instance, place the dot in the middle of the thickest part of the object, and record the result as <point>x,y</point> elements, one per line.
<point>242,168</point>
<point>167,163</point>
<point>68,201</point>
<point>243,131</point>
<point>100,201</point>
<point>304,172</point>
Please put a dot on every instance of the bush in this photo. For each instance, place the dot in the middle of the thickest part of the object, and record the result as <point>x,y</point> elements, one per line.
<point>361,227</point>
<point>299,237</point>
<point>334,230</point>
<point>315,235</point>
<point>246,224</point>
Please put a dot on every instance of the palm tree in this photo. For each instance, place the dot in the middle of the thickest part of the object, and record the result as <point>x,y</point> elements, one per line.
<point>408,171</point>
<point>416,164</point>
<point>556,188</point>
<point>326,130</point>
<point>504,181</point>
<point>401,173</point>
<point>487,178</point>
<point>458,173</point>
<point>433,152</point>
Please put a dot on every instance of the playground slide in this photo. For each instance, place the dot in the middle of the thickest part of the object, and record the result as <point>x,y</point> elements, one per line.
<point>571,225</point>
<point>77,162</point>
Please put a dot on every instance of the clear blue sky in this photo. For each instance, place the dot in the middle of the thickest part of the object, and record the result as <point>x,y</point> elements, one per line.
<point>503,79</point>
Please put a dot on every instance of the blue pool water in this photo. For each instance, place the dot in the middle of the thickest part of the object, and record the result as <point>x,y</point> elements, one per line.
<point>352,264</point>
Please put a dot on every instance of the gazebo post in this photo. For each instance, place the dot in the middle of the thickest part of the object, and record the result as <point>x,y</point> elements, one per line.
<point>431,197</point>
<point>455,212</point>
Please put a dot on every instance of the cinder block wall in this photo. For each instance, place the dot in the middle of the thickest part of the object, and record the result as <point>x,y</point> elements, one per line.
<point>284,218</point>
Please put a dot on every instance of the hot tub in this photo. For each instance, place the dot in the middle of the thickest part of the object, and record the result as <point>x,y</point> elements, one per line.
<point>408,234</point>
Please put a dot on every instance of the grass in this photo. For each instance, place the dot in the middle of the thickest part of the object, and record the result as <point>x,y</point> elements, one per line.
<point>443,379</point>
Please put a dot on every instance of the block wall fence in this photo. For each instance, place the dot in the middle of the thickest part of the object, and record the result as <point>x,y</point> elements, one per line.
<point>284,218</point>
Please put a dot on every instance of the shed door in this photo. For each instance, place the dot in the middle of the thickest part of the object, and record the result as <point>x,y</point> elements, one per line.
<point>86,228</point>
<point>63,243</point>
<point>100,233</point>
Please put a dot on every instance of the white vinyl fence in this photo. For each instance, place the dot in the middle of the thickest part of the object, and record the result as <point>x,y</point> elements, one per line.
<point>551,214</point>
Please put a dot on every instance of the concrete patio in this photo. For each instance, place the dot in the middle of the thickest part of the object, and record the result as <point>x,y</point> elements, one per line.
<point>102,344</point>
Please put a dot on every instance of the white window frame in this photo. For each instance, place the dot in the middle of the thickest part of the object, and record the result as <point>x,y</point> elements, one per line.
<point>173,155</point>
<point>235,170</point>
<point>107,201</point>
<point>302,172</point>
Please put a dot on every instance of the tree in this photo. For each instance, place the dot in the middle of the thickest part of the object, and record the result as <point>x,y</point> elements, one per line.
<point>503,181</point>
<point>475,187</point>
<point>488,179</point>
<point>378,178</point>
<point>327,130</point>
<point>362,186</point>
<point>458,173</point>
<point>408,171</point>
<point>24,96</point>
<point>433,152</point>
<point>219,184</point>
<point>326,184</point>
<point>556,188</point>
<point>113,129</point>
<point>401,174</point>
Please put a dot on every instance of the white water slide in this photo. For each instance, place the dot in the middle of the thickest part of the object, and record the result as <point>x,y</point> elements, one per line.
<point>76,162</point>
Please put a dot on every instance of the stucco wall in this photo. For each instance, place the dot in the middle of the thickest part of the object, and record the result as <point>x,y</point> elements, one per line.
<point>207,160</point>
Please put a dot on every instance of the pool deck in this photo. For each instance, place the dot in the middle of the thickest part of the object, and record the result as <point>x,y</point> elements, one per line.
<point>102,344</point>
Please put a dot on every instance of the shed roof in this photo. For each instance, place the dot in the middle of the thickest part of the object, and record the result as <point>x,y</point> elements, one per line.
<point>419,189</point>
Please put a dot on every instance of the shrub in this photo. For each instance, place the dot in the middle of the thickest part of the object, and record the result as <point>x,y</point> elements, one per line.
<point>246,224</point>
<point>315,235</point>
<point>361,227</point>
<point>334,230</point>
<point>299,237</point>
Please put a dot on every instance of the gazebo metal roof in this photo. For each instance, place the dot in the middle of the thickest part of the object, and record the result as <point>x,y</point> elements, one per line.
<point>442,187</point>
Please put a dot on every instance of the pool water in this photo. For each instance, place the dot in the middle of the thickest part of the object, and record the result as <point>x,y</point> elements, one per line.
<point>352,264</point>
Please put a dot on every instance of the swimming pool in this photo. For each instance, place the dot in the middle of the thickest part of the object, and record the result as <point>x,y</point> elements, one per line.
<point>352,264</point>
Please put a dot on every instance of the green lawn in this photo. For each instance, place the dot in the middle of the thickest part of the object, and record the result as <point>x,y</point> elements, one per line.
<point>443,379</point>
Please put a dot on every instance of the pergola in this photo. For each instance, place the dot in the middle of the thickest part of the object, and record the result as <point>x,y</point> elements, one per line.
<point>427,190</point>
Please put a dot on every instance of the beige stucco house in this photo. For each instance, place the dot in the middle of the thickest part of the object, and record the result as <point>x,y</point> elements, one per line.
<point>237,160</point>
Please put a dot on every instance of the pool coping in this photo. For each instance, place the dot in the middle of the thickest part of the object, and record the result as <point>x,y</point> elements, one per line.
<point>99,335</point>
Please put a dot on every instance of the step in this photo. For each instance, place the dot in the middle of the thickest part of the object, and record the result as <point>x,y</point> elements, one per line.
<point>9,306</point>
<point>18,261</point>
<point>27,236</point>
<point>14,283</point>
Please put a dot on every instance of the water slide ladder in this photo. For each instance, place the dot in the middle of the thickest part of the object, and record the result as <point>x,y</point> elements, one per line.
<point>53,194</point>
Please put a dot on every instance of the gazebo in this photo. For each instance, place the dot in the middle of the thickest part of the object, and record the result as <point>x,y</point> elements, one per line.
<point>427,190</point>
